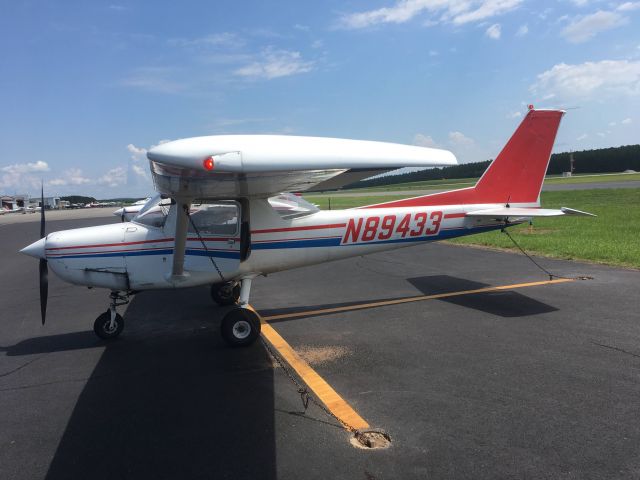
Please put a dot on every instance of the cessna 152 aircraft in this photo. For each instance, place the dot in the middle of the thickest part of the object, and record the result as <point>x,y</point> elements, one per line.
<point>220,218</point>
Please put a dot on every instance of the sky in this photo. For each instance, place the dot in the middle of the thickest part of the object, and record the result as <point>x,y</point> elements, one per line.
<point>87,87</point>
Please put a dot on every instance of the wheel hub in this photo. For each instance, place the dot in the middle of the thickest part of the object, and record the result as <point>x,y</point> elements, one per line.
<point>110,327</point>
<point>241,329</point>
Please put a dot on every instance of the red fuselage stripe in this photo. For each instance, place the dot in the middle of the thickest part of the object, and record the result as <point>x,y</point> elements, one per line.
<point>295,229</point>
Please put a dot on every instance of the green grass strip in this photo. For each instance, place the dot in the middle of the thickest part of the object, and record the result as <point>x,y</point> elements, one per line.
<point>612,238</point>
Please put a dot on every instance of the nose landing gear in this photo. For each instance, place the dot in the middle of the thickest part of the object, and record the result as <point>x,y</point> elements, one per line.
<point>110,324</point>
<point>241,326</point>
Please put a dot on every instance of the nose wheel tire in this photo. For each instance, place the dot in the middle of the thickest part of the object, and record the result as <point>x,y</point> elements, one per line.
<point>225,294</point>
<point>107,330</point>
<point>240,327</point>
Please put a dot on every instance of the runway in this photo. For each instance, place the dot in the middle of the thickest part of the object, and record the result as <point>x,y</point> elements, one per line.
<point>536,382</point>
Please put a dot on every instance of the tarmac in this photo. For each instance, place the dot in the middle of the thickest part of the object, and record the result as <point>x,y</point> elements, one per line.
<point>535,382</point>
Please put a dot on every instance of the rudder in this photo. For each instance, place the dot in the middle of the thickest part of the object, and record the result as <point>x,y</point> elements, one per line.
<point>514,177</point>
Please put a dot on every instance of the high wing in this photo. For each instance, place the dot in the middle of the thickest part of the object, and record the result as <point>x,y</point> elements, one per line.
<point>232,166</point>
<point>243,166</point>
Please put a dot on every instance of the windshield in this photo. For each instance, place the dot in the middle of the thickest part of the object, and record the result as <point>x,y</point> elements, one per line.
<point>154,213</point>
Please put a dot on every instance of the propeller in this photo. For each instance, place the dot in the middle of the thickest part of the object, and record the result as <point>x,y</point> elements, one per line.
<point>44,269</point>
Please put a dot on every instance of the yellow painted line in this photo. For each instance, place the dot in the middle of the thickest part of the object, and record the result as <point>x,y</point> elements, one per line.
<point>361,306</point>
<point>322,390</point>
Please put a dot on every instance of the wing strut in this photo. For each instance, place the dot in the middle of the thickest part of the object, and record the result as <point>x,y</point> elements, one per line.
<point>182,226</point>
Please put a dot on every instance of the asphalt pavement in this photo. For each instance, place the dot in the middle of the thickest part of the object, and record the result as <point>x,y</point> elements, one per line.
<point>539,382</point>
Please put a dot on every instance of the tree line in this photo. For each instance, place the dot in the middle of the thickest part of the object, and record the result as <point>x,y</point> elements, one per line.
<point>603,160</point>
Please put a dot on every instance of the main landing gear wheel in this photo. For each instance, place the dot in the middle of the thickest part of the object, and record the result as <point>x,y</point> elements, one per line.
<point>225,294</point>
<point>240,327</point>
<point>105,328</point>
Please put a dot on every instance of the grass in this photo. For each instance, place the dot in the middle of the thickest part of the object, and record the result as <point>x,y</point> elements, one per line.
<point>612,238</point>
<point>467,182</point>
<point>341,202</point>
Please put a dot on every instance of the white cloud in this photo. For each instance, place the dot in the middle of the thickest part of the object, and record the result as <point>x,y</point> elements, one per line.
<point>583,28</point>
<point>424,141</point>
<point>153,79</point>
<point>582,137</point>
<point>138,170</point>
<point>580,3</point>
<point>626,121</point>
<point>494,31</point>
<point>456,12</point>
<point>522,31</point>
<point>276,64</point>
<point>114,178</point>
<point>317,44</point>
<point>607,77</point>
<point>20,168</point>
<point>459,139</point>
<point>514,114</point>
<point>72,176</point>
<point>223,39</point>
<point>137,153</point>
<point>612,124</point>
<point>628,6</point>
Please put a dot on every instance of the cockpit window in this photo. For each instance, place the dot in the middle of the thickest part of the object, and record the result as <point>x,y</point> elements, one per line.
<point>214,218</point>
<point>154,213</point>
<point>289,205</point>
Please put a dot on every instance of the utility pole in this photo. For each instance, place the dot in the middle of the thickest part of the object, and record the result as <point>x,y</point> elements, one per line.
<point>571,163</point>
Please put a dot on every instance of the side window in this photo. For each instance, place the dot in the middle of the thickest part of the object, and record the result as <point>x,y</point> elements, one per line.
<point>215,218</point>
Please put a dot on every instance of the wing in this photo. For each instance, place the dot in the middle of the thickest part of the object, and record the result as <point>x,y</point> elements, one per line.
<point>230,166</point>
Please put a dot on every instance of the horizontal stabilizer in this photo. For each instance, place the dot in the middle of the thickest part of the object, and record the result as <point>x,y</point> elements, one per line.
<point>515,212</point>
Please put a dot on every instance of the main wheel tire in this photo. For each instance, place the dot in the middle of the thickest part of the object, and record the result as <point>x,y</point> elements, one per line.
<point>103,328</point>
<point>225,294</point>
<point>240,327</point>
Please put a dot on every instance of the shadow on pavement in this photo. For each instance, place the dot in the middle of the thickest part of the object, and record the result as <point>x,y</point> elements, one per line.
<point>504,303</point>
<point>507,303</point>
<point>167,402</point>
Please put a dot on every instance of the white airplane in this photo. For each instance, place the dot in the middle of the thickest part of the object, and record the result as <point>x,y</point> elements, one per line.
<point>220,218</point>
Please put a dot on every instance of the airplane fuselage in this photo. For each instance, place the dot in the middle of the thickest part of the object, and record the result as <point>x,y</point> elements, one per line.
<point>134,256</point>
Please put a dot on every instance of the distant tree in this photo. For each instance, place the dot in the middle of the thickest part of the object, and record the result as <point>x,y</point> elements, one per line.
<point>78,199</point>
<point>603,160</point>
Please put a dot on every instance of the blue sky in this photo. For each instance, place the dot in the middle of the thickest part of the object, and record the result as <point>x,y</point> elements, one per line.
<point>87,87</point>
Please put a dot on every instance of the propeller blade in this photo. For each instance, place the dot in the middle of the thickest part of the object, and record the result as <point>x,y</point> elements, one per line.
<point>44,269</point>
<point>42,230</point>
<point>44,288</point>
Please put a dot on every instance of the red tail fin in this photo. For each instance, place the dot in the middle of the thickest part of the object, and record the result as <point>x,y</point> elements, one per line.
<point>515,176</point>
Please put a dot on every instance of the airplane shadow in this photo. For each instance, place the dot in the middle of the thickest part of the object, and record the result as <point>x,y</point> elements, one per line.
<point>507,303</point>
<point>168,402</point>
<point>504,303</point>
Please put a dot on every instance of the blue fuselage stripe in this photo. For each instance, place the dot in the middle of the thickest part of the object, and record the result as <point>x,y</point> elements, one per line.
<point>285,244</point>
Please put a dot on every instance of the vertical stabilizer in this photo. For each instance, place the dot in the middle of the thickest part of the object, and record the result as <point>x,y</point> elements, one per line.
<point>515,176</point>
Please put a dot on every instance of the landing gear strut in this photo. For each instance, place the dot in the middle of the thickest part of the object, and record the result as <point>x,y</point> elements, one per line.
<point>225,293</point>
<point>241,326</point>
<point>109,325</point>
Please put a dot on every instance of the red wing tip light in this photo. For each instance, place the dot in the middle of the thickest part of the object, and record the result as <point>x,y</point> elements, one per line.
<point>208,163</point>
